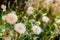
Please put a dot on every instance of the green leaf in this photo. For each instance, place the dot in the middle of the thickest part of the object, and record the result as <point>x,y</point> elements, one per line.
<point>2,26</point>
<point>38,17</point>
<point>28,25</point>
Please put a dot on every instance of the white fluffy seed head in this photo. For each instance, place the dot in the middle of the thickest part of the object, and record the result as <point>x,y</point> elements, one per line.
<point>36,29</point>
<point>4,18</point>
<point>11,18</point>
<point>7,38</point>
<point>20,28</point>
<point>30,10</point>
<point>58,21</point>
<point>49,1</point>
<point>3,7</point>
<point>45,19</point>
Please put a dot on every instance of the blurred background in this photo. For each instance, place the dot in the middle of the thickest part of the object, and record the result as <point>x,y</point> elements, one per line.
<point>31,11</point>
